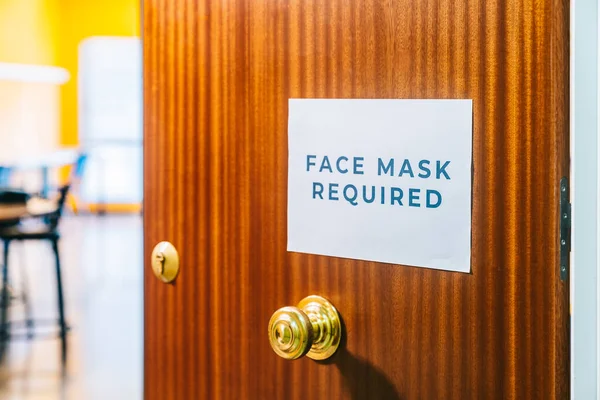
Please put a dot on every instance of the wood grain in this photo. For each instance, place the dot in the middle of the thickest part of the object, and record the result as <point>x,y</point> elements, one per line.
<point>217,78</point>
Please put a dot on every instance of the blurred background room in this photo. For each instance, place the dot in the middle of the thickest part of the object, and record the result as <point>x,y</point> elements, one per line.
<point>70,199</point>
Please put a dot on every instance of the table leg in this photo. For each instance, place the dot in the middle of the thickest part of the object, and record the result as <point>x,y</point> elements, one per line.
<point>45,182</point>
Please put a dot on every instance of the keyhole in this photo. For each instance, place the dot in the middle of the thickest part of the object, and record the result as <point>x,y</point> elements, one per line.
<point>160,263</point>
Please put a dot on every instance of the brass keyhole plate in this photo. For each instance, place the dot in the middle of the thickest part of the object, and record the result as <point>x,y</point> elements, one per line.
<point>165,262</point>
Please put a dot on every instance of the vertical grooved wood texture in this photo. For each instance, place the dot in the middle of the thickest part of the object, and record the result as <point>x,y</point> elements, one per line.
<point>217,78</point>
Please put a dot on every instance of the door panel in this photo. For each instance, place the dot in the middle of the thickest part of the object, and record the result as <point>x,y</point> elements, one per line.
<point>218,75</point>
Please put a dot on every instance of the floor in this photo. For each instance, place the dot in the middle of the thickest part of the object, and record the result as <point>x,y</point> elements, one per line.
<point>102,271</point>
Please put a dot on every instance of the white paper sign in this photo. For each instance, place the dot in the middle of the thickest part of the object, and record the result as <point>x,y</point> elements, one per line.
<point>381,180</point>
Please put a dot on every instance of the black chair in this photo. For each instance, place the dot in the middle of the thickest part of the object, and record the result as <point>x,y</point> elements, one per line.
<point>45,227</point>
<point>11,196</point>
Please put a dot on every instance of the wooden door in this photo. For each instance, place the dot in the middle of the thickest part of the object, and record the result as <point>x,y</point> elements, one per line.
<point>218,76</point>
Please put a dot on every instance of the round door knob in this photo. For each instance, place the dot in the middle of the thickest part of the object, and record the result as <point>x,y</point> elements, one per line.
<point>313,328</point>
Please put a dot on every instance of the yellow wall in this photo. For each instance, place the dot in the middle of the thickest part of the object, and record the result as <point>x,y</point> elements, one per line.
<point>29,112</point>
<point>81,19</point>
<point>28,31</point>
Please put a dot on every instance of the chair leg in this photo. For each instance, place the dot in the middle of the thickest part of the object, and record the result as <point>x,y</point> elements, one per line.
<point>61,307</point>
<point>4,333</point>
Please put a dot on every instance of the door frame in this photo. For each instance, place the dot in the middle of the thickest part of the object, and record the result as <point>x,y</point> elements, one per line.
<point>584,197</point>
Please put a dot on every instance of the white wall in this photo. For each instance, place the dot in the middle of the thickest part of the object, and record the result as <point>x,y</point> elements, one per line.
<point>110,119</point>
<point>584,196</point>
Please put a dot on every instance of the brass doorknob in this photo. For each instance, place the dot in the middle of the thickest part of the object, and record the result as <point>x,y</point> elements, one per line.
<point>313,328</point>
